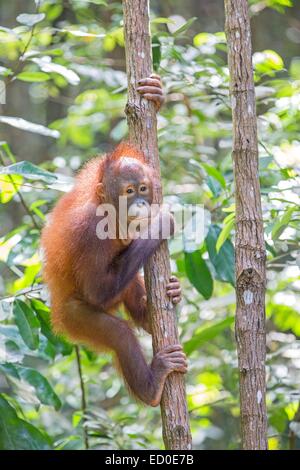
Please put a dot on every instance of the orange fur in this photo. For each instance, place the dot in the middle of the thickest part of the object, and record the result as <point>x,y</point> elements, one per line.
<point>59,244</point>
<point>89,277</point>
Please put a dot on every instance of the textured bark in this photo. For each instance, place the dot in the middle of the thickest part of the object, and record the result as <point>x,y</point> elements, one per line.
<point>249,240</point>
<point>141,117</point>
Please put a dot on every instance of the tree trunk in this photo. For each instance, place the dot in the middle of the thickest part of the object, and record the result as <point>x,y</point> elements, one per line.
<point>141,117</point>
<point>249,239</point>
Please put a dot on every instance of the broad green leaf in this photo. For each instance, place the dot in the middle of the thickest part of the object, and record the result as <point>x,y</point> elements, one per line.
<point>214,186</point>
<point>34,207</point>
<point>266,62</point>
<point>156,52</point>
<point>29,171</point>
<point>285,317</point>
<point>48,66</point>
<point>228,218</point>
<point>279,418</point>
<point>81,34</point>
<point>295,68</point>
<point>98,2</point>
<point>4,146</point>
<point>24,125</point>
<point>5,72</point>
<point>27,324</point>
<point>229,209</point>
<point>33,76</point>
<point>214,173</point>
<point>28,278</point>
<point>199,273</point>
<point>9,186</point>
<point>208,38</point>
<point>30,19</point>
<point>43,314</point>
<point>278,5</point>
<point>206,333</point>
<point>201,39</point>
<point>73,442</point>
<point>184,27</point>
<point>17,434</point>
<point>282,223</point>
<point>161,20</point>
<point>224,234</point>
<point>44,391</point>
<point>10,351</point>
<point>223,261</point>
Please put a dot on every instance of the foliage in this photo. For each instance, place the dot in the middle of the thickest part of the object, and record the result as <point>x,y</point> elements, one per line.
<point>66,66</point>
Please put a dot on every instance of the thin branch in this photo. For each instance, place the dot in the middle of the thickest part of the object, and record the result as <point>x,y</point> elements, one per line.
<point>27,185</point>
<point>24,292</point>
<point>83,397</point>
<point>25,49</point>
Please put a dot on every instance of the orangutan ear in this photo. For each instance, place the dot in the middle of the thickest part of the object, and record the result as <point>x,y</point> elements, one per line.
<point>100,191</point>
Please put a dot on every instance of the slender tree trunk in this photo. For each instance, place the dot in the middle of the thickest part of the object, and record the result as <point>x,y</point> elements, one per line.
<point>249,242</point>
<point>141,117</point>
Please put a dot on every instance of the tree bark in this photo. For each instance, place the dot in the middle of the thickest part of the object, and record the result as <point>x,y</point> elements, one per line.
<point>249,238</point>
<point>142,123</point>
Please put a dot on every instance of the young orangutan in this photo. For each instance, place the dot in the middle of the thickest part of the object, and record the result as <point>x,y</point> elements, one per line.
<point>89,278</point>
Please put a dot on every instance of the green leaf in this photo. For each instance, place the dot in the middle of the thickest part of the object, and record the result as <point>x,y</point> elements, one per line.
<point>98,2</point>
<point>24,125</point>
<point>295,68</point>
<point>29,171</point>
<point>29,277</point>
<point>73,442</point>
<point>214,186</point>
<point>44,391</point>
<point>9,186</point>
<point>279,418</point>
<point>17,434</point>
<point>33,76</point>
<point>285,317</point>
<point>162,20</point>
<point>82,34</point>
<point>27,324</point>
<point>207,333</point>
<point>30,19</point>
<point>199,273</point>
<point>34,207</point>
<point>224,234</point>
<point>208,38</point>
<point>201,38</point>
<point>214,173</point>
<point>223,261</point>
<point>156,52</point>
<point>52,67</point>
<point>5,72</point>
<point>267,62</point>
<point>6,148</point>
<point>184,27</point>
<point>229,208</point>
<point>282,223</point>
<point>43,314</point>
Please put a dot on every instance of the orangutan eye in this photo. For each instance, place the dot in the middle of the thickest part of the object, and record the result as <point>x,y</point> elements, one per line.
<point>129,190</point>
<point>143,188</point>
